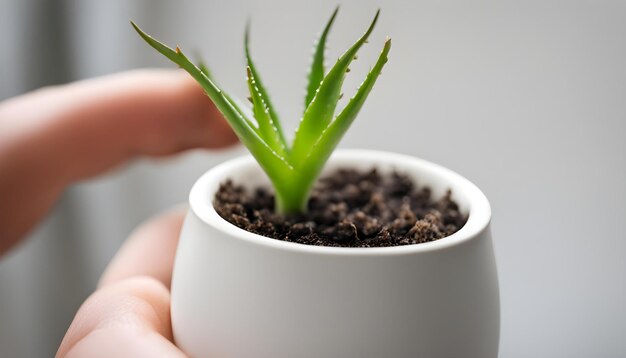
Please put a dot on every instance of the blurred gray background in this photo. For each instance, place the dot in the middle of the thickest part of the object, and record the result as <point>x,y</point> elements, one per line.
<point>527,99</point>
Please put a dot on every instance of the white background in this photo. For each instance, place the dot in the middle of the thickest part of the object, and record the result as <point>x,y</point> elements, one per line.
<point>527,99</point>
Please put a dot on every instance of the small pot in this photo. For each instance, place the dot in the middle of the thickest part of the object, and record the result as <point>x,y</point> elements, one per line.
<point>239,294</point>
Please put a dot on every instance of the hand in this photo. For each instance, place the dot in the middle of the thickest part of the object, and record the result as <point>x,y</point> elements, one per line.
<point>56,136</point>
<point>129,314</point>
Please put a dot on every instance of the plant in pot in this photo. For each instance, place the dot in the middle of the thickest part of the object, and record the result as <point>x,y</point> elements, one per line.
<point>361,263</point>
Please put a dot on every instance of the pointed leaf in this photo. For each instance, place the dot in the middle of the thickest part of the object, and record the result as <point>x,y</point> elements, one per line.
<point>316,73</point>
<point>274,165</point>
<point>235,102</point>
<point>320,112</point>
<point>267,129</point>
<point>333,134</point>
<point>262,90</point>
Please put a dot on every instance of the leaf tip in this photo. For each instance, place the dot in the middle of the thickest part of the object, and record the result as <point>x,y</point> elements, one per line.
<point>246,34</point>
<point>134,25</point>
<point>332,17</point>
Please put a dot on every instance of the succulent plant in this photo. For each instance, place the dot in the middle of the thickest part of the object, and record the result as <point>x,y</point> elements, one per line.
<point>292,169</point>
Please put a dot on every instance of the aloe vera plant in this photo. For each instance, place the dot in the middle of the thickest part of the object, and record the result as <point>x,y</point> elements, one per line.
<point>292,169</point>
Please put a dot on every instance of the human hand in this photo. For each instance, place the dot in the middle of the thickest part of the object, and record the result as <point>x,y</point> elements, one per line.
<point>129,314</point>
<point>56,136</point>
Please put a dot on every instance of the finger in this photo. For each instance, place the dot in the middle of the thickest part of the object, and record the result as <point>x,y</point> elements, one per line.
<point>56,136</point>
<point>149,251</point>
<point>129,314</point>
<point>129,318</point>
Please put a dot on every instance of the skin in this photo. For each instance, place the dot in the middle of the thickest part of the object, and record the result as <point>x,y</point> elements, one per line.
<point>54,137</point>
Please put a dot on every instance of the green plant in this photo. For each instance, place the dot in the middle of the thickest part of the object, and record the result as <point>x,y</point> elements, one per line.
<point>291,169</point>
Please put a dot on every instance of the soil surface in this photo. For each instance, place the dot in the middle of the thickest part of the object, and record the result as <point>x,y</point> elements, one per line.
<point>347,208</point>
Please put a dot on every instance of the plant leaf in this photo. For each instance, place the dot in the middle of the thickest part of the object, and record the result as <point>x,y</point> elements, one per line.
<point>267,129</point>
<point>320,111</point>
<point>316,73</point>
<point>335,131</point>
<point>241,109</point>
<point>233,101</point>
<point>203,67</point>
<point>274,165</point>
<point>261,89</point>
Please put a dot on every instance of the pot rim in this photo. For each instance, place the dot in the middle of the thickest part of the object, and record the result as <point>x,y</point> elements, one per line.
<point>201,204</point>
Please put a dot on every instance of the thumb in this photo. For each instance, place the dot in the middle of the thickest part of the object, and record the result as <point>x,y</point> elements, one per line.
<point>130,318</point>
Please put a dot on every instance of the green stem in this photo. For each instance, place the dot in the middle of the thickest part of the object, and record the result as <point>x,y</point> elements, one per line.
<point>292,196</point>
<point>290,204</point>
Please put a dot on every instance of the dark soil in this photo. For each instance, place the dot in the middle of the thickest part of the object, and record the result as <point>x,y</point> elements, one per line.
<point>347,208</point>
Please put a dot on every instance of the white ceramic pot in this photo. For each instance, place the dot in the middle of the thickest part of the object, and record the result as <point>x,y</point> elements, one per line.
<point>239,294</point>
